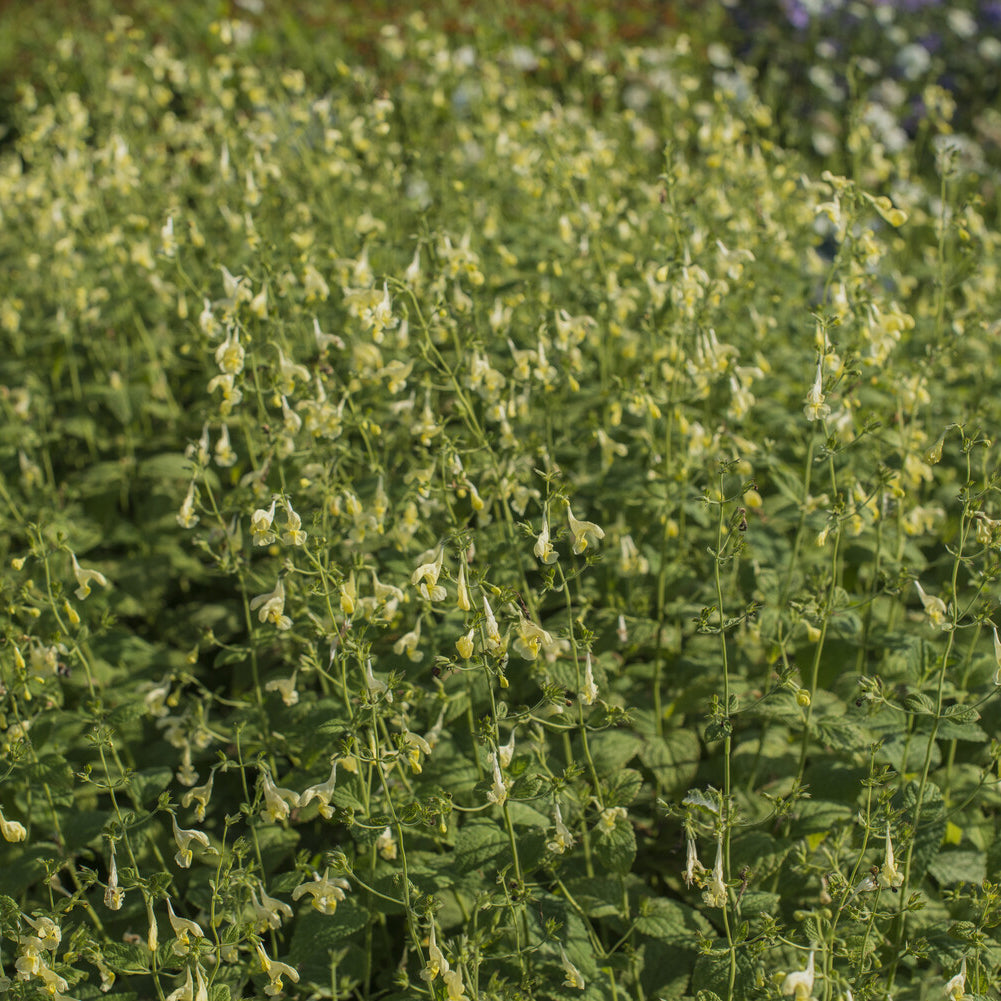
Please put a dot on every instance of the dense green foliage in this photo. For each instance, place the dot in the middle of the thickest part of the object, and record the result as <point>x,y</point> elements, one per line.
<point>493,518</point>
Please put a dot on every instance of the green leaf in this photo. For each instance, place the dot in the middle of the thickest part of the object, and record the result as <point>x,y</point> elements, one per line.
<point>615,850</point>
<point>149,783</point>
<point>125,958</point>
<point>478,843</point>
<point>220,992</point>
<point>673,760</point>
<point>316,936</point>
<point>672,922</point>
<point>933,821</point>
<point>952,867</point>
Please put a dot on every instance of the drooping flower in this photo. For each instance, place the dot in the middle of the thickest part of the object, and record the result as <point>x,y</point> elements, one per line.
<point>531,638</point>
<point>935,608</point>
<point>85,577</point>
<point>498,790</point>
<point>563,839</point>
<point>12,830</point>
<point>186,517</point>
<point>229,355</point>
<point>800,983</point>
<point>272,607</point>
<point>275,971</point>
<point>278,802</point>
<point>955,989</point>
<point>183,839</point>
<point>573,975</point>
<point>114,895</point>
<point>997,657</point>
<point>268,911</point>
<point>374,685</point>
<point>585,533</point>
<point>495,644</point>
<point>464,645</point>
<point>385,845</point>
<point>543,548</point>
<point>425,578</point>
<point>694,869</point>
<point>184,930</point>
<point>590,693</point>
<point>890,877</point>
<point>505,752</point>
<point>326,893</point>
<point>324,792</point>
<point>200,796</point>
<point>816,409</point>
<point>714,895</point>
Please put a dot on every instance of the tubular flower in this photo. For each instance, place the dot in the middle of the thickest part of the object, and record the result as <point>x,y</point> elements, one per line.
<point>272,607</point>
<point>326,893</point>
<point>462,589</point>
<point>425,578</point>
<point>935,609</point>
<point>385,845</point>
<point>997,657</point>
<point>498,790</point>
<point>573,975</point>
<point>800,983</point>
<point>324,792</point>
<point>408,643</point>
<point>437,965</point>
<point>293,534</point>
<point>543,548</point>
<point>278,802</point>
<point>505,753</point>
<point>186,517</point>
<point>890,877</point>
<point>955,989</point>
<point>12,831</point>
<point>268,911</point>
<point>275,971</point>
<point>563,839</point>
<point>714,894</point>
<point>816,409</point>
<point>694,869</point>
<point>414,746</point>
<point>590,694</point>
<point>200,796</point>
<point>84,578</point>
<point>495,644</point>
<point>464,645</point>
<point>114,896</point>
<point>585,533</point>
<point>183,839</point>
<point>374,685</point>
<point>183,930</point>
<point>530,639</point>
<point>260,525</point>
<point>229,355</point>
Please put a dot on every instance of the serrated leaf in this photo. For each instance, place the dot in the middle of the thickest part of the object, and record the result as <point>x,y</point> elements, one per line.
<point>952,867</point>
<point>125,958</point>
<point>615,849</point>
<point>220,992</point>
<point>316,936</point>
<point>478,843</point>
<point>673,760</point>
<point>147,784</point>
<point>929,835</point>
<point>672,922</point>
<point>960,714</point>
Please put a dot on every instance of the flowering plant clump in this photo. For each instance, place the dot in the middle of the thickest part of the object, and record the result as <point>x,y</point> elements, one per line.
<point>493,513</point>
